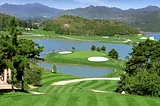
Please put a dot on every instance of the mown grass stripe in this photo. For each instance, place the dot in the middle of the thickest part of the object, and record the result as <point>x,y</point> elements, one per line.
<point>79,83</point>
<point>102,84</point>
<point>42,101</point>
<point>89,83</point>
<point>50,81</point>
<point>56,88</point>
<point>72,100</point>
<point>111,100</point>
<point>64,90</point>
<point>53,101</point>
<point>61,89</point>
<point>92,100</point>
<point>131,101</point>
<point>47,89</point>
<point>111,88</point>
<point>68,90</point>
<point>103,87</point>
<point>51,90</point>
<point>151,102</point>
<point>63,100</point>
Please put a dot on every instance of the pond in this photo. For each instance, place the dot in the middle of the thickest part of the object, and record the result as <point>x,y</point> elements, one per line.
<point>80,71</point>
<point>62,45</point>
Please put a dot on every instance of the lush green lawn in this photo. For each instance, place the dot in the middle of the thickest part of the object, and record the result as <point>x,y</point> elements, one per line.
<point>81,58</point>
<point>83,54</point>
<point>76,94</point>
<point>110,39</point>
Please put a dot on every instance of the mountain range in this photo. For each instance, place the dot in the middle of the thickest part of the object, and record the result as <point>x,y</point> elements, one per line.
<point>29,10</point>
<point>146,19</point>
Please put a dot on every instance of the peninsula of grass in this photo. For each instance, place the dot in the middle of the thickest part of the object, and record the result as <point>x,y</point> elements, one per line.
<point>41,34</point>
<point>81,58</point>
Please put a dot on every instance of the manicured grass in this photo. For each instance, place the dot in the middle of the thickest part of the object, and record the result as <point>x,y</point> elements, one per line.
<point>110,39</point>
<point>84,54</point>
<point>79,58</point>
<point>76,94</point>
<point>76,99</point>
<point>97,85</point>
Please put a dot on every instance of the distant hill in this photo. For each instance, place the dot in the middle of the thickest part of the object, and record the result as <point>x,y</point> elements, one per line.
<point>29,10</point>
<point>146,19</point>
<point>75,25</point>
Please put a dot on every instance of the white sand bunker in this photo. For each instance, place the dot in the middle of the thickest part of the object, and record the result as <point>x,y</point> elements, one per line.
<point>105,37</point>
<point>128,40</point>
<point>98,59</point>
<point>144,38</point>
<point>65,52</point>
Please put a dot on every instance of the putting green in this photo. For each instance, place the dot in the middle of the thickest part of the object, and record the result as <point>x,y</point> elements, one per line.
<point>84,54</point>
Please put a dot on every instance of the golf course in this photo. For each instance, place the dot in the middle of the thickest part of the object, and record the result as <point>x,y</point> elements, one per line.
<point>66,60</point>
<point>76,94</point>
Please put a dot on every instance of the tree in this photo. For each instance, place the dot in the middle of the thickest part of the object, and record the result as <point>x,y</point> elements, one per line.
<point>142,56</point>
<point>16,53</point>
<point>21,63</point>
<point>98,49</point>
<point>54,69</point>
<point>93,48</point>
<point>103,48</point>
<point>30,24</point>
<point>73,48</point>
<point>127,58</point>
<point>113,54</point>
<point>142,70</point>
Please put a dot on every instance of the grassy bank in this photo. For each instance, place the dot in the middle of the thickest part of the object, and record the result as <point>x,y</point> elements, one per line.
<point>40,34</point>
<point>81,58</point>
<point>77,94</point>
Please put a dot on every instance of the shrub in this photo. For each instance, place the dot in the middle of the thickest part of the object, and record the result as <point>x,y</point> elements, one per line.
<point>93,48</point>
<point>103,48</point>
<point>113,54</point>
<point>143,83</point>
<point>98,49</point>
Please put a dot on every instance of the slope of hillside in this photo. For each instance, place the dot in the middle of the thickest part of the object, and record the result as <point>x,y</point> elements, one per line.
<point>71,25</point>
<point>146,19</point>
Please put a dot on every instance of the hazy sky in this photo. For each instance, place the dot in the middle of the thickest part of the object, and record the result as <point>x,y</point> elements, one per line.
<point>70,4</point>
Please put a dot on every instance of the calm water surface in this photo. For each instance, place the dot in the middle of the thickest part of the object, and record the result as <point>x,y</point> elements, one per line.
<point>81,71</point>
<point>61,45</point>
<point>156,35</point>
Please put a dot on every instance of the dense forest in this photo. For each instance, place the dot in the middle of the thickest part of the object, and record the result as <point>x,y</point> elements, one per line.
<point>75,25</point>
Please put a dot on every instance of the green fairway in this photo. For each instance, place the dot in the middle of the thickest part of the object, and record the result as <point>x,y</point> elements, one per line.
<point>83,54</point>
<point>76,94</point>
<point>81,58</point>
<point>110,39</point>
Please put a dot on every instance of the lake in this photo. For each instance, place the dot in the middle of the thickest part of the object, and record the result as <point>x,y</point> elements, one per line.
<point>81,71</point>
<point>156,35</point>
<point>62,45</point>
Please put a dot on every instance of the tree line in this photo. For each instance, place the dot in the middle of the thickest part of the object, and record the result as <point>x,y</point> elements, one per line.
<point>113,53</point>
